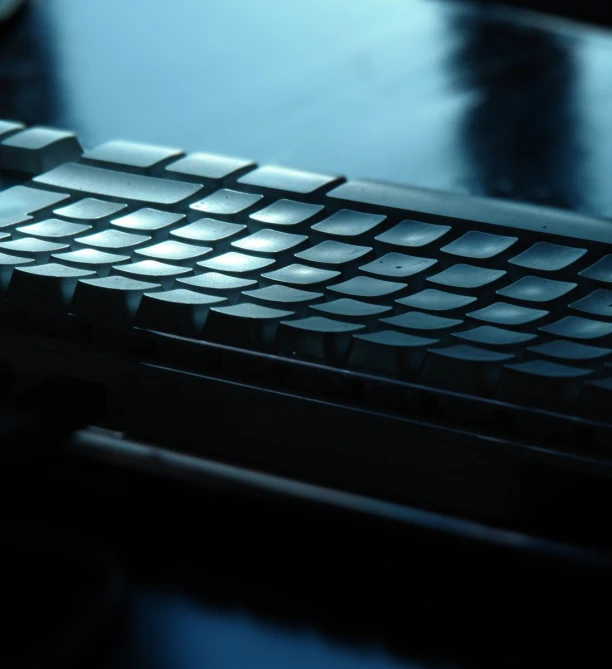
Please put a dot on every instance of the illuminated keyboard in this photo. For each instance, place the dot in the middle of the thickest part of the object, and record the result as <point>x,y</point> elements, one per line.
<point>351,333</point>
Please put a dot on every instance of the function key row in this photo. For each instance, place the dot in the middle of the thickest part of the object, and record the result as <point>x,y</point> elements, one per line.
<point>204,167</point>
<point>38,149</point>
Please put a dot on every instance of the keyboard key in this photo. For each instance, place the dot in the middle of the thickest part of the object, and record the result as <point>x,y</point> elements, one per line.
<point>51,285</point>
<point>113,240</point>
<point>226,202</point>
<point>179,311</point>
<point>112,299</point>
<point>98,261</point>
<point>365,287</point>
<point>147,220</point>
<point>488,335</point>
<point>413,234</point>
<point>599,271</point>
<point>541,382</point>
<point>294,181</point>
<point>476,245</point>
<point>218,284</point>
<point>466,277</point>
<point>570,350</point>
<point>547,257</point>
<point>317,337</point>
<point>174,251</point>
<point>503,313</point>
<point>270,242</point>
<point>431,299</point>
<point>598,303</point>
<point>30,247</point>
<point>245,325</point>
<point>206,167</point>
<point>334,254</point>
<point>90,209</point>
<point>152,270</point>
<point>53,228</point>
<point>12,220</point>
<point>236,263</point>
<point>38,149</point>
<point>21,201</point>
<point>301,275</point>
<point>9,128</point>
<point>416,320</point>
<point>281,297</point>
<point>352,310</point>
<point>536,289</point>
<point>141,157</point>
<point>122,186</point>
<point>8,263</point>
<point>286,213</point>
<point>388,351</point>
<point>398,265</point>
<point>576,327</point>
<point>349,224</point>
<point>464,368</point>
<point>209,231</point>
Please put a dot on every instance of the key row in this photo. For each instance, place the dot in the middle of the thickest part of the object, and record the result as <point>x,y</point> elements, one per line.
<point>548,375</point>
<point>51,236</point>
<point>172,259</point>
<point>18,203</point>
<point>38,148</point>
<point>56,283</point>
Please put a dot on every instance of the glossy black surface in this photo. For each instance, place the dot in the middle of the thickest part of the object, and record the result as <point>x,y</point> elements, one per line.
<point>469,99</point>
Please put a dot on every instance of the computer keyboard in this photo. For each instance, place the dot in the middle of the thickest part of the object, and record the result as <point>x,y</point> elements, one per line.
<point>371,336</point>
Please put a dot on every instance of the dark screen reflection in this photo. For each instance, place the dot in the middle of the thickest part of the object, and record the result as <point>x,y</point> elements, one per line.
<point>520,137</point>
<point>173,632</point>
<point>26,81</point>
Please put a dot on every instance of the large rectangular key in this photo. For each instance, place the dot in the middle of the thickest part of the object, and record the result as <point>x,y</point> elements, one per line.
<point>76,178</point>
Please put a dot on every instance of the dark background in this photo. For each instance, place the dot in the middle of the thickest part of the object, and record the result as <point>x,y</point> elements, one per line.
<point>593,11</point>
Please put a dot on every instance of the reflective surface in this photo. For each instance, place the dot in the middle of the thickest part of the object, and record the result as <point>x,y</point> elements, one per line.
<point>430,94</point>
<point>172,631</point>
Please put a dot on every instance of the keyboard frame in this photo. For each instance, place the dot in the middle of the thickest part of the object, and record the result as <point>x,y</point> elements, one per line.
<point>218,406</point>
<point>441,449</point>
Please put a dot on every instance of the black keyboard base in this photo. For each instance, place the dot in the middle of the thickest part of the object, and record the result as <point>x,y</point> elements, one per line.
<point>315,439</point>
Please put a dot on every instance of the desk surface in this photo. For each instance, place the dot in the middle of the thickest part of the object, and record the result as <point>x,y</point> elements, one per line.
<point>414,91</point>
<point>426,93</point>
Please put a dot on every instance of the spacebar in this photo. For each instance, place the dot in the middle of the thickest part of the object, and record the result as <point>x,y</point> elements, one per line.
<point>541,220</point>
<point>73,177</point>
